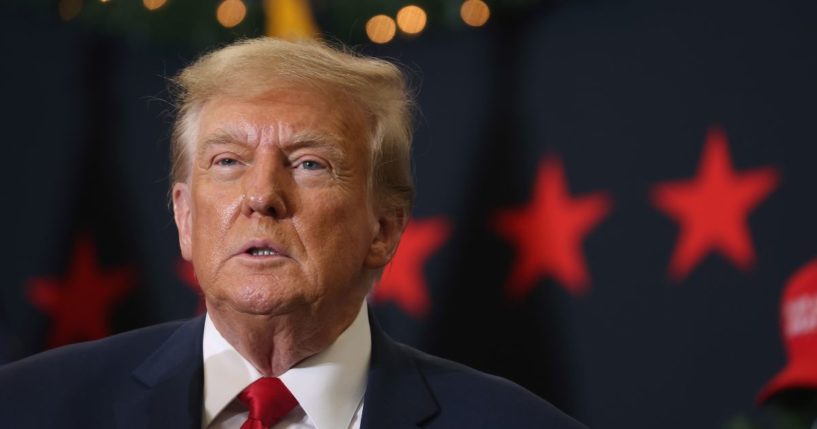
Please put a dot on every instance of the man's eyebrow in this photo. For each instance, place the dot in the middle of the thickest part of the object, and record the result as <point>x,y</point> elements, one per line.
<point>309,140</point>
<point>301,140</point>
<point>221,137</point>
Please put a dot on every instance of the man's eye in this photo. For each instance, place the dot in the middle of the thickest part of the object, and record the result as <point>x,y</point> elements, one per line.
<point>312,165</point>
<point>226,162</point>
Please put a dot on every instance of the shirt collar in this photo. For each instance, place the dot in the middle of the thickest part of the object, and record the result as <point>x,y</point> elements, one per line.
<point>329,385</point>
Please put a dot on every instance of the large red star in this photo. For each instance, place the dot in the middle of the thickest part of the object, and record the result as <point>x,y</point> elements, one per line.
<point>548,233</point>
<point>712,208</point>
<point>187,274</point>
<point>403,280</point>
<point>80,304</point>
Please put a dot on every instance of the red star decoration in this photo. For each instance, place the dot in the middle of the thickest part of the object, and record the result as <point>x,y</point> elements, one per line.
<point>185,271</point>
<point>80,304</point>
<point>548,233</point>
<point>712,208</point>
<point>403,281</point>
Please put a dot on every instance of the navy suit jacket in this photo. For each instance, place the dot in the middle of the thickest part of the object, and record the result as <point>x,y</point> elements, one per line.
<point>153,378</point>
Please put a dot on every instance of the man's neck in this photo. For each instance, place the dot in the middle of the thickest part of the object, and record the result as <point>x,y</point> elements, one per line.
<point>273,344</point>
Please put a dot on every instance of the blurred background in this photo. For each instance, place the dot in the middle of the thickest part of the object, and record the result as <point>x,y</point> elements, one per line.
<point>611,194</point>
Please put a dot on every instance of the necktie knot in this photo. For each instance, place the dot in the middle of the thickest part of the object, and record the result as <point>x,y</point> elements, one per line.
<point>268,400</point>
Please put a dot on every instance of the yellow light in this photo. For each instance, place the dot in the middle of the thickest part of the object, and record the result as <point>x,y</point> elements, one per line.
<point>475,12</point>
<point>153,4</point>
<point>231,12</point>
<point>69,9</point>
<point>104,1</point>
<point>380,29</point>
<point>411,19</point>
<point>290,19</point>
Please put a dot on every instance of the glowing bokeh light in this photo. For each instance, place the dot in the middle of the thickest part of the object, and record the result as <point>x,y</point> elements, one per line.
<point>381,29</point>
<point>153,4</point>
<point>231,12</point>
<point>475,12</point>
<point>411,19</point>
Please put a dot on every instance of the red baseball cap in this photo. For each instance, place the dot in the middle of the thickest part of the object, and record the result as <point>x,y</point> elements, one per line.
<point>798,322</point>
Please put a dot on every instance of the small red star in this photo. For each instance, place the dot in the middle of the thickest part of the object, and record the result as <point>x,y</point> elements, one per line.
<point>548,233</point>
<point>403,280</point>
<point>80,305</point>
<point>712,208</point>
<point>185,271</point>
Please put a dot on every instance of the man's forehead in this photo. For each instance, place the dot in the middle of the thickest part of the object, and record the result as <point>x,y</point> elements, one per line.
<point>274,132</point>
<point>267,121</point>
<point>280,117</point>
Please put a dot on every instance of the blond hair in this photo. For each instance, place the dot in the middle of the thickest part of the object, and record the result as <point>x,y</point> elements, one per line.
<point>252,67</point>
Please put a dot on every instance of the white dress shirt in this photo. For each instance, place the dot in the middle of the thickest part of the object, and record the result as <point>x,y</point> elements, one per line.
<point>329,386</point>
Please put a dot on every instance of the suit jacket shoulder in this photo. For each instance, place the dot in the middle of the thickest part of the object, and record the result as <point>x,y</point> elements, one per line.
<point>97,383</point>
<point>408,389</point>
<point>491,401</point>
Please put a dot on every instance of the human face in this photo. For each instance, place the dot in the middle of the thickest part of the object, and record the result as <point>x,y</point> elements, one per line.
<point>277,214</point>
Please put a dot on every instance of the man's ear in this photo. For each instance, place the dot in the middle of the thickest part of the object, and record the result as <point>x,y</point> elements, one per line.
<point>389,229</point>
<point>182,214</point>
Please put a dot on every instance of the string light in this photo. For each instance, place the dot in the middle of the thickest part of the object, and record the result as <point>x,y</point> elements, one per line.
<point>411,19</point>
<point>153,4</point>
<point>475,12</point>
<point>380,29</point>
<point>231,12</point>
<point>69,9</point>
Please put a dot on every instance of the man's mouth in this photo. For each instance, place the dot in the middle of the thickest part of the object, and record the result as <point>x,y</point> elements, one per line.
<point>261,248</point>
<point>261,251</point>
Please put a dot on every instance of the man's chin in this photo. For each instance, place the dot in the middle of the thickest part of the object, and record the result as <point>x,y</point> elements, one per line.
<point>256,304</point>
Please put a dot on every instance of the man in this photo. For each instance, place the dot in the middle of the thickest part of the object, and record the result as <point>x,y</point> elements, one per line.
<point>291,188</point>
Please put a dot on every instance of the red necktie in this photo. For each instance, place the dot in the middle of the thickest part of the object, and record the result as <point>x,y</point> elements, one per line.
<point>268,401</point>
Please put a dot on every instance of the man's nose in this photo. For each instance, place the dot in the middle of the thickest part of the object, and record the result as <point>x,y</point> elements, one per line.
<point>266,188</point>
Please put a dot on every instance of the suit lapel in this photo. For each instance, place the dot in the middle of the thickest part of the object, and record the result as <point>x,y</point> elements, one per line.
<point>167,387</point>
<point>397,395</point>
